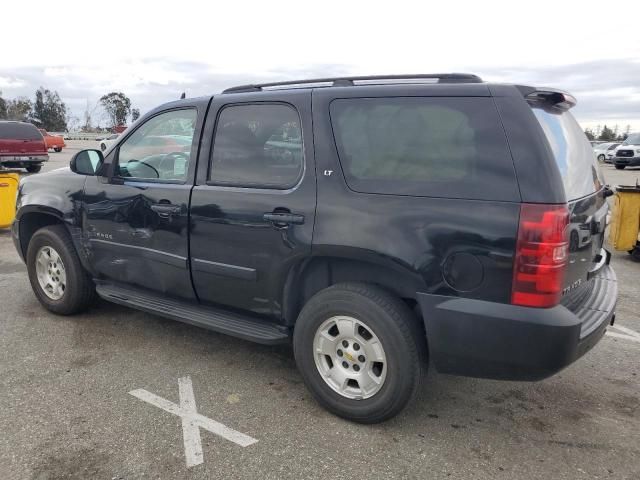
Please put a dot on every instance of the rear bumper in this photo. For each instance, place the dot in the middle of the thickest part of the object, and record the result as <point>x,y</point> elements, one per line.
<point>493,340</point>
<point>24,159</point>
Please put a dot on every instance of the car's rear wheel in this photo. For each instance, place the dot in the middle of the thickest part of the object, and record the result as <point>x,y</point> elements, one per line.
<point>601,158</point>
<point>34,168</point>
<point>57,277</point>
<point>57,149</point>
<point>360,351</point>
<point>620,167</point>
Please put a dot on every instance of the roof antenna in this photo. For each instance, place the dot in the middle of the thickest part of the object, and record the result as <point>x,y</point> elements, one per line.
<point>183,96</point>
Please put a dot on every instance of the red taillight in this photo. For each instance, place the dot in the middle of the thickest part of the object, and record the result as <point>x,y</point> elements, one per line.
<point>542,253</point>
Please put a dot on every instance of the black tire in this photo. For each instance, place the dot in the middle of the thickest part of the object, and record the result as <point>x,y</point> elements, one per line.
<point>57,149</point>
<point>574,240</point>
<point>601,158</point>
<point>635,254</point>
<point>34,168</point>
<point>103,147</point>
<point>398,331</point>
<point>620,167</point>
<point>80,289</point>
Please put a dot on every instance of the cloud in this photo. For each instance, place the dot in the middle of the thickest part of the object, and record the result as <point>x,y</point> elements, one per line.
<point>607,90</point>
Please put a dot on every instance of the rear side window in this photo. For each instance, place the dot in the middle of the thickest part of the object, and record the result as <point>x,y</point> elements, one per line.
<point>451,147</point>
<point>19,131</point>
<point>573,153</point>
<point>257,145</point>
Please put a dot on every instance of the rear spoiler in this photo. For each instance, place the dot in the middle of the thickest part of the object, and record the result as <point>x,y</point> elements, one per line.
<point>548,96</point>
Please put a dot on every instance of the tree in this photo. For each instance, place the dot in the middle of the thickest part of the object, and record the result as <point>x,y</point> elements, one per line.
<point>3,108</point>
<point>49,111</point>
<point>72,122</point>
<point>589,133</point>
<point>19,109</point>
<point>118,107</point>
<point>135,114</point>
<point>88,114</point>
<point>607,134</point>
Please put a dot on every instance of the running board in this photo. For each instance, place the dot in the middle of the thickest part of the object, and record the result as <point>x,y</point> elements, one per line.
<point>228,323</point>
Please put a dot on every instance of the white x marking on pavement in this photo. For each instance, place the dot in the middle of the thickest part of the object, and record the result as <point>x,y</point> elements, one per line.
<point>192,421</point>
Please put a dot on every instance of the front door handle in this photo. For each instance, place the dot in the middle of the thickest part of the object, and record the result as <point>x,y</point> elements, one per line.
<point>165,210</point>
<point>280,219</point>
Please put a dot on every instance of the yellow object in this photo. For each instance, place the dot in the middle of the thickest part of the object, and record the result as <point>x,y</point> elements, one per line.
<point>625,219</point>
<point>8,190</point>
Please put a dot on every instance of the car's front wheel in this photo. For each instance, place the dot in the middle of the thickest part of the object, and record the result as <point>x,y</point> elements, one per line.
<point>601,158</point>
<point>57,149</point>
<point>57,277</point>
<point>360,351</point>
<point>34,168</point>
<point>620,167</point>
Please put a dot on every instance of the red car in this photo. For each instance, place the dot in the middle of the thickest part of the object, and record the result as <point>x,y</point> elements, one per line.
<point>53,141</point>
<point>22,146</point>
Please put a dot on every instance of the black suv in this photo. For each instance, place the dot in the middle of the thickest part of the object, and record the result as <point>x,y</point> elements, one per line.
<point>378,223</point>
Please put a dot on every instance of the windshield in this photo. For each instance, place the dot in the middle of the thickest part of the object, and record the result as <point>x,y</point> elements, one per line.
<point>633,139</point>
<point>578,166</point>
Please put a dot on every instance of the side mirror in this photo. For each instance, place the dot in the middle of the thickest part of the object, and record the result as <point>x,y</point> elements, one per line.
<point>86,162</point>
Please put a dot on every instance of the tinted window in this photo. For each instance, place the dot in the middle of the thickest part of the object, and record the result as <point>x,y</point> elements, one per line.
<point>445,147</point>
<point>257,146</point>
<point>573,153</point>
<point>160,149</point>
<point>19,131</point>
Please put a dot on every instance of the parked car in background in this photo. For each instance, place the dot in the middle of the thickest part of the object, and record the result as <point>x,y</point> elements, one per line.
<point>53,141</point>
<point>610,153</point>
<point>628,154</point>
<point>22,146</point>
<point>601,150</point>
<point>108,141</point>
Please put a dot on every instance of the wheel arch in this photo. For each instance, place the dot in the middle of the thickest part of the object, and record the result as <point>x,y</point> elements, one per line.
<point>309,276</point>
<point>32,218</point>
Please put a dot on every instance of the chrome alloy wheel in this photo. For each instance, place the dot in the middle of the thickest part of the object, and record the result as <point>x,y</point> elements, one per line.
<point>51,274</point>
<point>349,357</point>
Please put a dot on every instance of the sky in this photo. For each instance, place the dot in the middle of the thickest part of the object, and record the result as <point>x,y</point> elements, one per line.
<point>153,51</point>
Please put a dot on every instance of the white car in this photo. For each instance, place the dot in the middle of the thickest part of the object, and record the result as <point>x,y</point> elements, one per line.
<point>603,149</point>
<point>611,152</point>
<point>628,153</point>
<point>108,141</point>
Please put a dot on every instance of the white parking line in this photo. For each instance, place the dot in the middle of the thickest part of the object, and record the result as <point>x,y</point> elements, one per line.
<point>627,333</point>
<point>192,421</point>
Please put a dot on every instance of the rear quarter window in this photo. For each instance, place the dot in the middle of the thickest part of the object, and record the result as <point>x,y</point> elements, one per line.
<point>452,147</point>
<point>572,151</point>
<point>19,131</point>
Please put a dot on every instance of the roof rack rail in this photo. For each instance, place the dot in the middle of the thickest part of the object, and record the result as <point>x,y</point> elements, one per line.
<point>349,81</point>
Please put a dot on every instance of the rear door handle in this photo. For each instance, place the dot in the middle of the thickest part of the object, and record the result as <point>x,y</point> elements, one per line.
<point>282,218</point>
<point>165,210</point>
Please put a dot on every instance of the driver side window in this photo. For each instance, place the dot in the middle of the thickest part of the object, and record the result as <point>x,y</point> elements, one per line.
<point>160,148</point>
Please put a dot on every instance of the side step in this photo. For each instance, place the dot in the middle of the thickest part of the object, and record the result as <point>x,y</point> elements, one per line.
<point>228,323</point>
